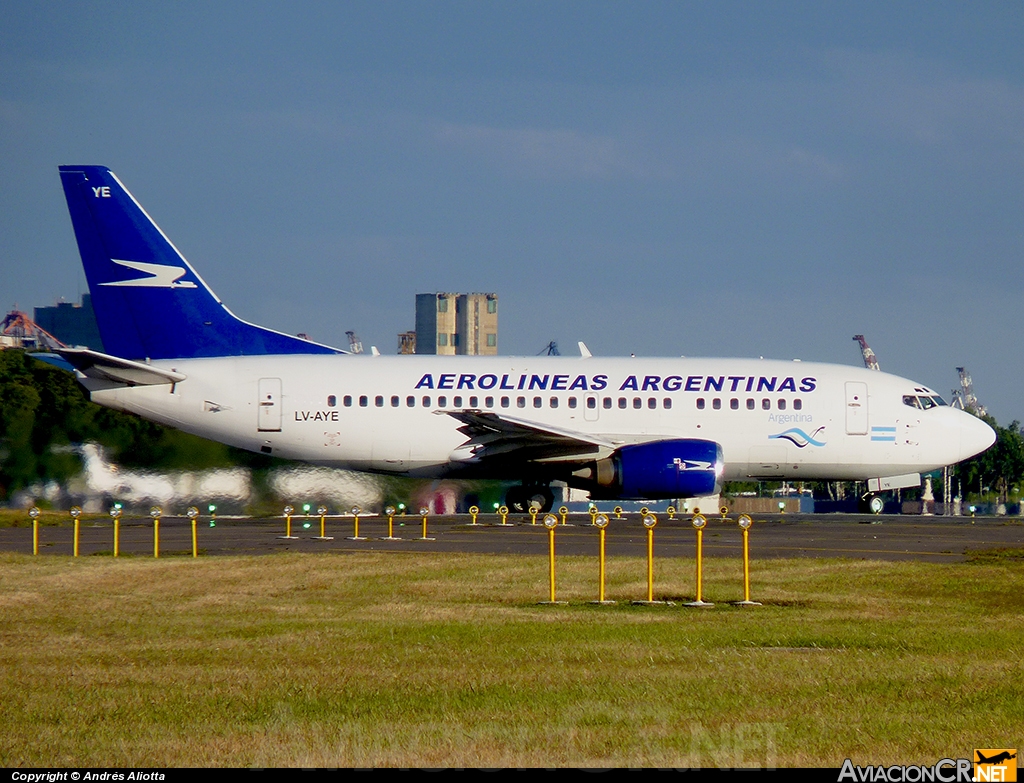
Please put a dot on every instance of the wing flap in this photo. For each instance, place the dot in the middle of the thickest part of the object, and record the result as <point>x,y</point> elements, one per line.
<point>494,437</point>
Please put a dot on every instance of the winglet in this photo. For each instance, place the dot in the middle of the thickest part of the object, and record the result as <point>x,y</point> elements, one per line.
<point>584,351</point>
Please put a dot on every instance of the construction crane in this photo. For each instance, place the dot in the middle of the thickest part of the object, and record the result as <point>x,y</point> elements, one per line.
<point>865,350</point>
<point>23,332</point>
<point>551,349</point>
<point>964,397</point>
<point>355,345</point>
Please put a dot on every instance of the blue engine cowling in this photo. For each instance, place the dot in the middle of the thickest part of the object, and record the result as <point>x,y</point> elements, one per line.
<point>683,468</point>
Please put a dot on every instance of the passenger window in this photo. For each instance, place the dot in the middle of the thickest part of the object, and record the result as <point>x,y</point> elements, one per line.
<point>488,402</point>
<point>766,404</point>
<point>347,400</point>
<point>622,403</point>
<point>537,402</point>
<point>363,401</point>
<point>379,401</point>
<point>457,402</point>
<point>410,402</point>
<point>474,402</point>
<point>666,403</point>
<point>652,403</point>
<point>716,404</point>
<point>520,402</point>
<point>700,403</point>
<point>734,404</point>
<point>332,401</point>
<point>504,402</point>
<point>750,404</point>
<point>782,404</point>
<point>572,402</point>
<point>554,402</point>
<point>395,401</point>
<point>798,404</point>
<point>607,402</point>
<point>442,401</point>
<point>426,402</point>
<point>637,403</point>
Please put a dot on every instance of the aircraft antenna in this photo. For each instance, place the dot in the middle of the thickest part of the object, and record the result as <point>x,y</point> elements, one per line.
<point>355,345</point>
<point>865,350</point>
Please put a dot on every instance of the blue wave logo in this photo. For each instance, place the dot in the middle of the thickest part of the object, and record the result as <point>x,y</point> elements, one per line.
<point>799,438</point>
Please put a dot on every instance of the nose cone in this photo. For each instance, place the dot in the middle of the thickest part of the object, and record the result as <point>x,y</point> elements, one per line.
<point>975,436</point>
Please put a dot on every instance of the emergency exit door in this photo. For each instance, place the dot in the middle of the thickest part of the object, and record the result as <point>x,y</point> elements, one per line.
<point>856,408</point>
<point>269,405</point>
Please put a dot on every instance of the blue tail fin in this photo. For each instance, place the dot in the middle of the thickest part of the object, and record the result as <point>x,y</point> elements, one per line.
<point>149,302</point>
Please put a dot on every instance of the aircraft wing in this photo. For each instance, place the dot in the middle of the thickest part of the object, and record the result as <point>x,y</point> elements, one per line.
<point>496,437</point>
<point>94,364</point>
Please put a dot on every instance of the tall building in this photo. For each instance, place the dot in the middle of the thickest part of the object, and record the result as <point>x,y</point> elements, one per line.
<point>463,324</point>
<point>72,324</point>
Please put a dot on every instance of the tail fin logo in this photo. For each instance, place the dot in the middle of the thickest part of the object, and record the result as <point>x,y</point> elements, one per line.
<point>160,275</point>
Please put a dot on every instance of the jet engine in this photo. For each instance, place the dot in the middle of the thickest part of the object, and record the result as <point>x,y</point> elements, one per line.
<point>682,468</point>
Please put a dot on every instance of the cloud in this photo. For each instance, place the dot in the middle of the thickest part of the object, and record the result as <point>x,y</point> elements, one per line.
<point>544,153</point>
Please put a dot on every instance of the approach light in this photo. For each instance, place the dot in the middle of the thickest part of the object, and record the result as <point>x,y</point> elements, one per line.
<point>550,521</point>
<point>745,521</point>
<point>650,520</point>
<point>156,512</point>
<point>601,520</point>
<point>699,521</point>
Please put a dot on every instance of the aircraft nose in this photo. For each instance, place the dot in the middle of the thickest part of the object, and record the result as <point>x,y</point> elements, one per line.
<point>975,436</point>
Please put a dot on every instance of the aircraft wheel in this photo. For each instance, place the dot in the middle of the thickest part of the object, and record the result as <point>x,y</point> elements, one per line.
<point>876,504</point>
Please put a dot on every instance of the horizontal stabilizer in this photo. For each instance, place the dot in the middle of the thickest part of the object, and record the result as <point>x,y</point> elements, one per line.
<point>93,364</point>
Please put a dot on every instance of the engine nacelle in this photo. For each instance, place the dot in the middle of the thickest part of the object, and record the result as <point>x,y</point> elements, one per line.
<point>683,468</point>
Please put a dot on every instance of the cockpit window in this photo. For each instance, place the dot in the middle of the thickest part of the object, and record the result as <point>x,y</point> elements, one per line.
<point>911,400</point>
<point>939,400</point>
<point>927,402</point>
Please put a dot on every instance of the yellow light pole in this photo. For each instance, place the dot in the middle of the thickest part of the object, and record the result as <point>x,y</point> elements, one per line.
<point>592,510</point>
<point>650,521</point>
<point>288,511</point>
<point>34,513</point>
<point>193,515</point>
<point>601,522</point>
<point>699,522</point>
<point>618,512</point>
<point>551,522</point>
<point>76,512</point>
<point>115,512</point>
<point>671,511</point>
<point>390,511</point>
<point>503,511</point>
<point>425,512</point>
<point>534,509</point>
<point>563,512</point>
<point>473,511</point>
<point>745,522</point>
<point>155,512</point>
<point>321,512</point>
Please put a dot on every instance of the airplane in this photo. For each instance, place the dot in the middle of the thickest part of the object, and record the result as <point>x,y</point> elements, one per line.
<point>620,428</point>
<point>999,758</point>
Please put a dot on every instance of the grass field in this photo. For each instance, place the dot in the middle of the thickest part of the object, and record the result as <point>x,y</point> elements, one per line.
<point>440,660</point>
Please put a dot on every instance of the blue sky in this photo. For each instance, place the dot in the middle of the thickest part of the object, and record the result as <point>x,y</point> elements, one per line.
<point>740,179</point>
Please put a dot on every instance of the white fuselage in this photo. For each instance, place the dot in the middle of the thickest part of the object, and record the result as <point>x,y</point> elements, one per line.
<point>773,419</point>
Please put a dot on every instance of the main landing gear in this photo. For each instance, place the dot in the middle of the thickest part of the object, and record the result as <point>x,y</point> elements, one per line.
<point>872,504</point>
<point>519,499</point>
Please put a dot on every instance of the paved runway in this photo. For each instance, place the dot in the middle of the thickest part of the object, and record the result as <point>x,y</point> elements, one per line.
<point>936,539</point>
